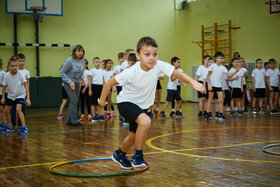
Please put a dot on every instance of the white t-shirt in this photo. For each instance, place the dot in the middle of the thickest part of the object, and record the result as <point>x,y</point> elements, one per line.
<point>244,70</point>
<point>139,86</point>
<point>224,83</point>
<point>107,75</point>
<point>117,70</point>
<point>259,75</point>
<point>2,75</point>
<point>217,75</point>
<point>202,72</point>
<point>15,87</point>
<point>85,76</point>
<point>237,82</point>
<point>25,73</point>
<point>273,77</point>
<point>97,76</point>
<point>180,70</point>
<point>172,85</point>
<point>124,65</point>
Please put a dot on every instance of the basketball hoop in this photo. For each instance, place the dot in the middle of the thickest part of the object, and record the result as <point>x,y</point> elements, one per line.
<point>274,6</point>
<point>36,13</point>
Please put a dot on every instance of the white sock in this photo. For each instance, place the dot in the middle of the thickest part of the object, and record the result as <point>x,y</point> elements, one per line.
<point>156,109</point>
<point>173,110</point>
<point>180,110</point>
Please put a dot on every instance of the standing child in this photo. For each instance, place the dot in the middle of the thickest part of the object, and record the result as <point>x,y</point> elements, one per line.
<point>214,80</point>
<point>107,74</point>
<point>138,94</point>
<point>95,82</point>
<point>172,90</point>
<point>258,79</point>
<point>17,87</point>
<point>236,87</point>
<point>126,54</point>
<point>272,80</point>
<point>64,100</point>
<point>245,77</point>
<point>2,75</point>
<point>84,94</point>
<point>200,73</point>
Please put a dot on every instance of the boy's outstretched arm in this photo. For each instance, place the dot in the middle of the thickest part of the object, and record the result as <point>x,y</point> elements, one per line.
<point>106,90</point>
<point>185,78</point>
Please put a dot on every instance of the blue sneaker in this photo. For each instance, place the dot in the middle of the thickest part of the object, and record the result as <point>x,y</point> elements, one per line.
<point>23,130</point>
<point>161,114</point>
<point>101,118</point>
<point>2,125</point>
<point>180,115</point>
<point>138,161</point>
<point>7,129</point>
<point>94,118</point>
<point>172,114</point>
<point>150,114</point>
<point>122,161</point>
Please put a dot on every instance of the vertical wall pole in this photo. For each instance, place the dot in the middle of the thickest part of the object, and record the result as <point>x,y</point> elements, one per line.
<point>216,37</point>
<point>15,35</point>
<point>37,48</point>
<point>202,39</point>
<point>229,41</point>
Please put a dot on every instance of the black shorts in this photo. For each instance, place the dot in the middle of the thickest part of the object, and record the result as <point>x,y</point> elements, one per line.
<point>200,95</point>
<point>64,93</point>
<point>158,85</point>
<point>275,89</point>
<point>236,93</point>
<point>130,111</point>
<point>260,93</point>
<point>173,94</point>
<point>215,90</point>
<point>96,93</point>
<point>11,102</point>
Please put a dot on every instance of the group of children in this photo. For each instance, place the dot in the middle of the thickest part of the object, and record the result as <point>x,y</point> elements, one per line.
<point>232,80</point>
<point>14,86</point>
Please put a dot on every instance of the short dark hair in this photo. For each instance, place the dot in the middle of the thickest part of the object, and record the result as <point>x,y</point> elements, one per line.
<point>271,60</point>
<point>120,55</point>
<point>96,58</point>
<point>174,59</point>
<point>12,59</point>
<point>206,56</point>
<point>132,57</point>
<point>233,59</point>
<point>258,59</point>
<point>211,58</point>
<point>21,56</point>
<point>106,62</point>
<point>77,47</point>
<point>236,53</point>
<point>219,54</point>
<point>146,41</point>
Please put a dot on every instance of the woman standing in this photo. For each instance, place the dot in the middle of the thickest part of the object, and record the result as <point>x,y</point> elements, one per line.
<point>71,73</point>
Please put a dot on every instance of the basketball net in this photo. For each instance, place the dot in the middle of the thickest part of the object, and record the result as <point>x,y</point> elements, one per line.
<point>35,11</point>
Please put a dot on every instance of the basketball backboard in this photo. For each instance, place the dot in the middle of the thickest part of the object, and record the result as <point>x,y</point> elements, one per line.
<point>49,7</point>
<point>274,6</point>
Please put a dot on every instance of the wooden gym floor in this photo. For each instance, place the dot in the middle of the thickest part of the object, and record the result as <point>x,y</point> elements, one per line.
<point>180,152</point>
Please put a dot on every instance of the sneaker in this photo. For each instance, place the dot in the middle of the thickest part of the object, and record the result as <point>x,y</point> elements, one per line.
<point>100,118</point>
<point>82,117</point>
<point>261,111</point>
<point>2,125</point>
<point>89,117</point>
<point>94,118</point>
<point>104,115</point>
<point>222,117</point>
<point>217,115</point>
<point>232,113</point>
<point>245,111</point>
<point>7,129</point>
<point>254,111</point>
<point>207,117</point>
<point>228,109</point>
<point>60,116</point>
<point>138,161</point>
<point>150,114</point>
<point>273,111</point>
<point>210,115</point>
<point>240,113</point>
<point>122,161</point>
<point>120,118</point>
<point>180,115</point>
<point>172,114</point>
<point>23,131</point>
<point>109,115</point>
<point>155,112</point>
<point>125,122</point>
<point>161,114</point>
<point>200,115</point>
<point>114,114</point>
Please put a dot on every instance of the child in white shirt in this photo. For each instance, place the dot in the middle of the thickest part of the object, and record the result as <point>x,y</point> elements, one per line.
<point>258,80</point>
<point>138,94</point>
